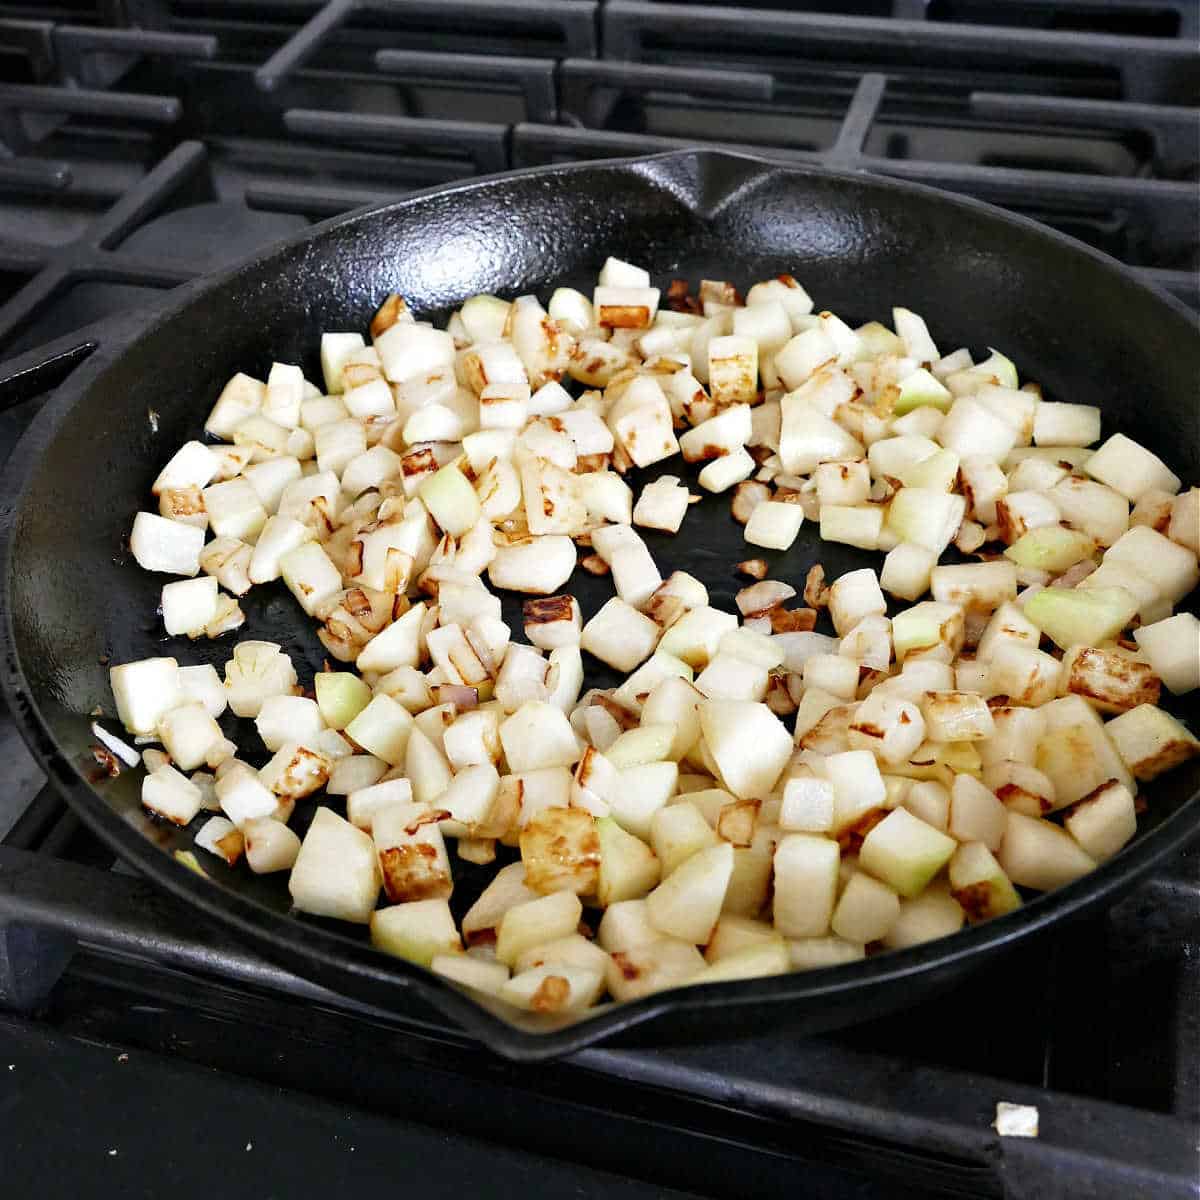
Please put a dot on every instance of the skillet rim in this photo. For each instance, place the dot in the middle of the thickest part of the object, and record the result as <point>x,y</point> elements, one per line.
<point>332,957</point>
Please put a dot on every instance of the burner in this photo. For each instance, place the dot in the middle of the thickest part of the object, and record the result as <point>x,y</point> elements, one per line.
<point>211,236</point>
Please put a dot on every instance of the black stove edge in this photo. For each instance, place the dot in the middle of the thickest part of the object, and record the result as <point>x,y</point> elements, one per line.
<point>214,1134</point>
<point>1115,1150</point>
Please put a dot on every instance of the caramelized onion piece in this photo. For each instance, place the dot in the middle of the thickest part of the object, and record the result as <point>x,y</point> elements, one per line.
<point>759,598</point>
<point>816,594</point>
<point>756,568</point>
<point>747,496</point>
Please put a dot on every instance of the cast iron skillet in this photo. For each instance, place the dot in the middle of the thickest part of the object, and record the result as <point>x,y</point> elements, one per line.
<point>1074,320</point>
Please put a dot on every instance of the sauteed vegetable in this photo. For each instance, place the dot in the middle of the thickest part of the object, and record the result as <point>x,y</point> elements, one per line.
<point>757,796</point>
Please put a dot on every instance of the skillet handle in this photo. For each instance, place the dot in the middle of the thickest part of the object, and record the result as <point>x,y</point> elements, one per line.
<point>35,372</point>
<point>49,907</point>
<point>38,371</point>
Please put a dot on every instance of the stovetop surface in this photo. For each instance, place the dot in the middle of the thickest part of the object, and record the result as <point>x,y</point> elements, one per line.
<point>145,142</point>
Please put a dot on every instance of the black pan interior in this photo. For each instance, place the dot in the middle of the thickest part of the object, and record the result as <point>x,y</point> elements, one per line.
<point>1071,320</point>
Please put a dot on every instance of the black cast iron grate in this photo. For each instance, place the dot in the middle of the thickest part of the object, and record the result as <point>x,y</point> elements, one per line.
<point>1060,110</point>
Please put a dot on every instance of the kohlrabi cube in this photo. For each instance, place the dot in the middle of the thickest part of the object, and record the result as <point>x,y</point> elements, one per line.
<point>956,717</point>
<point>808,954</point>
<point>688,902</point>
<point>919,388</point>
<point>628,867</point>
<point>866,910</point>
<point>1184,526</point>
<point>1172,648</point>
<point>853,596</point>
<point>651,967</point>
<point>426,766</point>
<point>413,861</point>
<point>1111,679</point>
<point>1078,616</point>
<point>751,962</point>
<point>907,570</point>
<point>979,884</point>
<point>1021,787</point>
<point>382,729</point>
<point>336,873</point>
<point>734,934</point>
<point>1050,548</point>
<point>1059,424</point>
<point>466,969</point>
<point>533,922</point>
<point>640,792</point>
<point>930,801</point>
<point>1169,566</point>
<point>362,803</point>
<point>336,348</point>
<point>1092,508</point>
<point>926,517</point>
<point>803,355</point>
<point>1104,821</point>
<point>171,547</point>
<point>1151,741</point>
<point>976,815</point>
<point>972,430</point>
<point>855,525</point>
<point>1039,854</point>
<point>1080,756</point>
<point>924,918</point>
<point>679,831</point>
<point>553,989</point>
<point>144,691</point>
<point>806,874</point>
<point>192,465</point>
<point>270,846</point>
<point>774,525</point>
<point>1129,468</point>
<point>808,437</point>
<point>310,575</point>
<point>560,848</point>
<point>749,743</point>
<point>904,852</point>
<point>190,734</point>
<point>937,473</point>
<point>341,696</point>
<point>695,637</point>
<point>538,735</point>
<point>928,628</point>
<point>169,794</point>
<point>418,931</point>
<point>1025,675</point>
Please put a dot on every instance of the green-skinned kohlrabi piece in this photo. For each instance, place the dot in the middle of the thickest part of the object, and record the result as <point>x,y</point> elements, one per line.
<point>979,884</point>
<point>921,388</point>
<point>1051,548</point>
<point>341,696</point>
<point>1071,617</point>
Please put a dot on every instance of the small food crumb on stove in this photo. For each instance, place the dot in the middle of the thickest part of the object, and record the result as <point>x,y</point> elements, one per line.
<point>152,416</point>
<point>1016,1120</point>
<point>112,1154</point>
<point>122,1058</point>
<point>249,1145</point>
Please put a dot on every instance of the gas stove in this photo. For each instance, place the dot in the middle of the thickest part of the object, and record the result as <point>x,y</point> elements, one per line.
<point>144,142</point>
